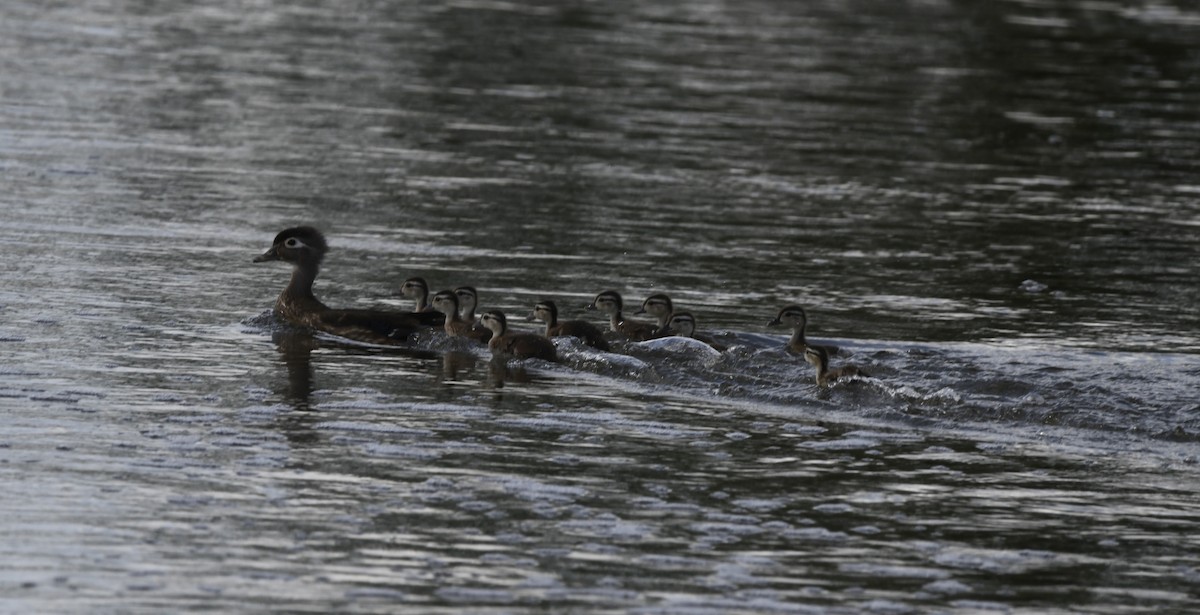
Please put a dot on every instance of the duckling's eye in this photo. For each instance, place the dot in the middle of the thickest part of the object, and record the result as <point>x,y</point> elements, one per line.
<point>292,242</point>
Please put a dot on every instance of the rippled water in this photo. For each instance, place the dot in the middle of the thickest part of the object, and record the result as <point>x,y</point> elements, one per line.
<point>992,207</point>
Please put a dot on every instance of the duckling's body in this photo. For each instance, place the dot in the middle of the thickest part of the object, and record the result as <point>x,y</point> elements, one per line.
<point>417,289</point>
<point>446,302</point>
<point>660,307</point>
<point>795,316</point>
<point>610,303</point>
<point>819,358</point>
<point>517,345</point>
<point>304,247</point>
<point>684,324</point>
<point>547,311</point>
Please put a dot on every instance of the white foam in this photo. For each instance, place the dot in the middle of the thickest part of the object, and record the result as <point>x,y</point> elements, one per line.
<point>845,444</point>
<point>371,428</point>
<point>758,505</point>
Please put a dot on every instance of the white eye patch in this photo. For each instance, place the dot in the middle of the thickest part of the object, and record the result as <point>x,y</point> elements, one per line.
<point>292,242</point>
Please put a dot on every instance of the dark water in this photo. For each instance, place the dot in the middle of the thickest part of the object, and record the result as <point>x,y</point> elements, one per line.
<point>993,207</point>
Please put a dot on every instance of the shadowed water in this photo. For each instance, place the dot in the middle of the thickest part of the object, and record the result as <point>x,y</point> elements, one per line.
<point>991,207</point>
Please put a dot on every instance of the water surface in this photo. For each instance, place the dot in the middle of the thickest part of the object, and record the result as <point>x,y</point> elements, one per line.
<point>990,206</point>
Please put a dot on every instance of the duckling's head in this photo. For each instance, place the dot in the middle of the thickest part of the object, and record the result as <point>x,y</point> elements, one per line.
<point>468,298</point>
<point>682,323</point>
<point>495,321</point>
<point>545,311</point>
<point>608,302</point>
<point>445,302</point>
<point>297,245</point>
<point>792,315</point>
<point>414,288</point>
<point>817,356</point>
<point>657,305</point>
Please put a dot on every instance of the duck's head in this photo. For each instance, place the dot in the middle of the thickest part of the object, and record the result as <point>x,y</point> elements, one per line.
<point>682,323</point>
<point>817,356</point>
<point>545,311</point>
<point>608,302</point>
<point>414,288</point>
<point>792,315</point>
<point>495,321</point>
<point>296,245</point>
<point>468,298</point>
<point>446,302</point>
<point>657,305</point>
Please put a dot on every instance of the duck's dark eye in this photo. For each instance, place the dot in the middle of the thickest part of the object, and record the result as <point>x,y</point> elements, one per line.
<point>292,242</point>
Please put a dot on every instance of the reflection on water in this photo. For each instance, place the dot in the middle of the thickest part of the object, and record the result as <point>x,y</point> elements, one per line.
<point>990,206</point>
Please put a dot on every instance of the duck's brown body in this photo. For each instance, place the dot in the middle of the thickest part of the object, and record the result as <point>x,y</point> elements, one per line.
<point>304,247</point>
<point>591,335</point>
<point>610,303</point>
<point>819,358</point>
<point>517,345</point>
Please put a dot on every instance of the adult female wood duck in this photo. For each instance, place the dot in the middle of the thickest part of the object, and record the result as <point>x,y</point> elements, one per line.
<point>609,302</point>
<point>819,358</point>
<point>304,247</point>
<point>505,343</point>
<point>591,335</point>
<point>795,316</point>
<point>446,302</point>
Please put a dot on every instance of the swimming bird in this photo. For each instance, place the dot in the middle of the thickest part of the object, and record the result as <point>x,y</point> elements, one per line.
<point>304,247</point>
<point>446,302</point>
<point>609,302</point>
<point>819,358</point>
<point>660,307</point>
<point>518,345</point>
<point>468,300</point>
<point>684,324</point>
<point>591,335</point>
<point>795,316</point>
<point>418,290</point>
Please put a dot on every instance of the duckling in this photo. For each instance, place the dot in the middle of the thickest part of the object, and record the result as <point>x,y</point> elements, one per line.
<point>446,302</point>
<point>591,335</point>
<point>468,300</point>
<point>304,247</point>
<point>417,290</point>
<point>819,358</point>
<point>795,316</point>
<point>517,345</point>
<point>659,306</point>
<point>609,302</point>
<point>683,324</point>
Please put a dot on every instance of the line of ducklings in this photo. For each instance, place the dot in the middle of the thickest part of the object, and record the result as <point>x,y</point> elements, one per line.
<point>304,247</point>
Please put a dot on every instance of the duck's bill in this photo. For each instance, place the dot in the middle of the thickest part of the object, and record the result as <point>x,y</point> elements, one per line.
<point>269,255</point>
